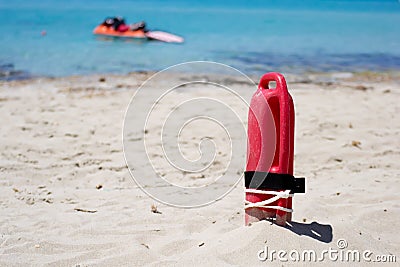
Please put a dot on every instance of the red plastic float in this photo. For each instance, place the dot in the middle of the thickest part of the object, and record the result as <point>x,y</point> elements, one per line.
<point>269,179</point>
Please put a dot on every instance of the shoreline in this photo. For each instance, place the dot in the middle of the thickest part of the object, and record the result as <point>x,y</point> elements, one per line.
<point>322,78</point>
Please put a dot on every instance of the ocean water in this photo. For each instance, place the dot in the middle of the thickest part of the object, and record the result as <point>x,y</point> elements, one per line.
<point>253,36</point>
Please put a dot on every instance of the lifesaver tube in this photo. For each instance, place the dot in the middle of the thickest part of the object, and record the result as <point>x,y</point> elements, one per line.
<point>269,179</point>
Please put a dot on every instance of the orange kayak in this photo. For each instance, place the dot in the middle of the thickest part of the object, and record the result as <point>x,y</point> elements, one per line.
<point>109,31</point>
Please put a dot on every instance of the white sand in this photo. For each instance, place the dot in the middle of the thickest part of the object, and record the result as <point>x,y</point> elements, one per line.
<point>60,138</point>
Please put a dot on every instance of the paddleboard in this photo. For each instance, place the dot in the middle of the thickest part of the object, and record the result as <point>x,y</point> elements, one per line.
<point>164,37</point>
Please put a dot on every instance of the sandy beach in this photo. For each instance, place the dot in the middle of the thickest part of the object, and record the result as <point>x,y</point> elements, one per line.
<point>67,197</point>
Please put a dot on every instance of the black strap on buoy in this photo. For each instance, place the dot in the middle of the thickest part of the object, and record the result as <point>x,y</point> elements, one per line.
<point>274,181</point>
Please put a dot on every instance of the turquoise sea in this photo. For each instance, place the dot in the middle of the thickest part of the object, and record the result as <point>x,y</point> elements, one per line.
<point>253,36</point>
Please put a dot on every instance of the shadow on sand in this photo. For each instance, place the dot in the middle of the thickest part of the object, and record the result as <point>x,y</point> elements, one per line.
<point>320,232</point>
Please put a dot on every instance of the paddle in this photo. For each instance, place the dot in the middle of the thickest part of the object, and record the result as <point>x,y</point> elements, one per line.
<point>164,37</point>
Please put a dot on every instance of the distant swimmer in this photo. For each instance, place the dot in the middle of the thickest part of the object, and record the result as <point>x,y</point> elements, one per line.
<point>141,25</point>
<point>118,23</point>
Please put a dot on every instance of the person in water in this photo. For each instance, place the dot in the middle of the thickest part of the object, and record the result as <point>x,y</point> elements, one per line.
<point>118,23</point>
<point>141,25</point>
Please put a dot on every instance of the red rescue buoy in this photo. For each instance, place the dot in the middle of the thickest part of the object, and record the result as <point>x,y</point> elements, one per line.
<point>269,179</point>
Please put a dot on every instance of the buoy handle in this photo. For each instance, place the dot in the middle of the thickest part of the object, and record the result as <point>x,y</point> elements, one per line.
<point>270,77</point>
